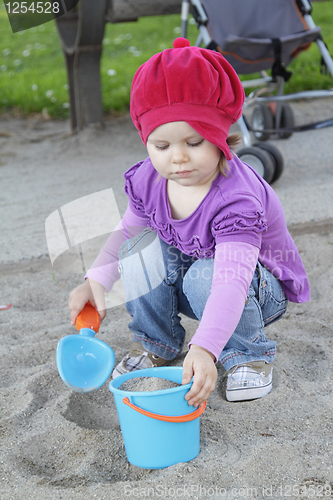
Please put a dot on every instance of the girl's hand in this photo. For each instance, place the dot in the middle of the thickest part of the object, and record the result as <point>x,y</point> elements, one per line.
<point>90,291</point>
<point>199,363</point>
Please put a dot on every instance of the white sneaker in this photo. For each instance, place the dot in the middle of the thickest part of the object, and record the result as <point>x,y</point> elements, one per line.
<point>250,380</point>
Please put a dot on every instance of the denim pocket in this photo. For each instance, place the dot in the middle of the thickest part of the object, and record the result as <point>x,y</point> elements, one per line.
<point>272,299</point>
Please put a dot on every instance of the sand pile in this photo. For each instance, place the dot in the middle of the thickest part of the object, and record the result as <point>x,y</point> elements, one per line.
<point>148,384</point>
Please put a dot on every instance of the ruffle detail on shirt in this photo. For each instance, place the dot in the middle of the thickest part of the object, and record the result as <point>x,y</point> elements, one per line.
<point>234,222</point>
<point>192,247</point>
<point>136,202</point>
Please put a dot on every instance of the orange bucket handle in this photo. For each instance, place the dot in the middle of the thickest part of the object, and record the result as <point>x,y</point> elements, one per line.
<point>167,418</point>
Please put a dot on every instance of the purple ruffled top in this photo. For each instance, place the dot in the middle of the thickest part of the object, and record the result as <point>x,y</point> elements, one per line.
<point>240,207</point>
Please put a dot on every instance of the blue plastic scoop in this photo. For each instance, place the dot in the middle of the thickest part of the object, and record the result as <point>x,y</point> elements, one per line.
<point>84,363</point>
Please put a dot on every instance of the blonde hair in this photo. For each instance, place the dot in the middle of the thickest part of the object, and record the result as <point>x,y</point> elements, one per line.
<point>232,141</point>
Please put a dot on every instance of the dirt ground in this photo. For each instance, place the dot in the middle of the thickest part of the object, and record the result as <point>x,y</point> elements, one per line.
<point>58,444</point>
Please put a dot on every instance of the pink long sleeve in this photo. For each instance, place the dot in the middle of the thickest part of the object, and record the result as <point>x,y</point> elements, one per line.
<point>234,266</point>
<point>105,267</point>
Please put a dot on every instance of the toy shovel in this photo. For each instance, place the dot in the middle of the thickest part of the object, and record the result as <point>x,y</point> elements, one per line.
<point>85,363</point>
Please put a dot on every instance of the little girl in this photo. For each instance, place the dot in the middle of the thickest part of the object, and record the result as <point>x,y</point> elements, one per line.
<point>203,234</point>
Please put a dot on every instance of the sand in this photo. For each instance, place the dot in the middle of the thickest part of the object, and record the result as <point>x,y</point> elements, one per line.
<point>58,444</point>
<point>147,384</point>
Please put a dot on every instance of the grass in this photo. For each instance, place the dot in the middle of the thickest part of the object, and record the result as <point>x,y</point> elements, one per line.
<point>33,75</point>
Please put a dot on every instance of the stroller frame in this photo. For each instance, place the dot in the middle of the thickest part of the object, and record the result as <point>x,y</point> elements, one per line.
<point>267,84</point>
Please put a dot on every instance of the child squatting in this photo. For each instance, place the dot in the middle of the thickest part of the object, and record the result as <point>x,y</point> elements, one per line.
<point>203,234</point>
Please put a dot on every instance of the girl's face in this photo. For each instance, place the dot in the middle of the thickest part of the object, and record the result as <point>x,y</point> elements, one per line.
<point>180,154</point>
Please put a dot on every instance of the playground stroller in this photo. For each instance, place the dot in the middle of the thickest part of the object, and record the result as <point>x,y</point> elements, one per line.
<point>256,36</point>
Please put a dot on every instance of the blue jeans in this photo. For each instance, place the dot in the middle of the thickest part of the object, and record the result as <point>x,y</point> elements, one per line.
<point>160,282</point>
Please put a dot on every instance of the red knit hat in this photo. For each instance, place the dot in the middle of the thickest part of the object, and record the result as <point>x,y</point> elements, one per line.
<point>188,84</point>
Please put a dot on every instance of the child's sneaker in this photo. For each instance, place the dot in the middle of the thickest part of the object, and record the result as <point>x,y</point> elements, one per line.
<point>250,380</point>
<point>137,359</point>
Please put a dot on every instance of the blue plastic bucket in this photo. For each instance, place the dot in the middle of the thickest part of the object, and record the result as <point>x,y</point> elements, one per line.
<point>159,428</point>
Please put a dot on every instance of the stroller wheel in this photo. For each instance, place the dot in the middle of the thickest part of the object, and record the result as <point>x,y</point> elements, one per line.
<point>287,120</point>
<point>277,158</point>
<point>261,161</point>
<point>261,120</point>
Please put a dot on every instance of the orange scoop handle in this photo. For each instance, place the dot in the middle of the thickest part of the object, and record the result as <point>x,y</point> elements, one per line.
<point>88,318</point>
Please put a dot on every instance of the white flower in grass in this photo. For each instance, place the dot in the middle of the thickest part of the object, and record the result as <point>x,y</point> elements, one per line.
<point>49,93</point>
<point>128,36</point>
<point>6,52</point>
<point>37,46</point>
<point>17,62</point>
<point>26,53</point>
<point>66,105</point>
<point>34,87</point>
<point>106,41</point>
<point>3,67</point>
<point>177,30</point>
<point>66,86</point>
<point>53,99</point>
<point>135,52</point>
<point>112,72</point>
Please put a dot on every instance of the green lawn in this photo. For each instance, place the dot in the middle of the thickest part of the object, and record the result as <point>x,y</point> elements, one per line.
<point>33,76</point>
